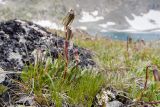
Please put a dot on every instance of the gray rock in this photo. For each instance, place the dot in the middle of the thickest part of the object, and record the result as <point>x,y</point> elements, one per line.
<point>111,98</point>
<point>114,104</point>
<point>18,40</point>
<point>2,75</point>
<point>27,100</point>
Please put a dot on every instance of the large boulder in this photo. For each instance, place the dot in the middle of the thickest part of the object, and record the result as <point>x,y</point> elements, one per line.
<point>18,40</point>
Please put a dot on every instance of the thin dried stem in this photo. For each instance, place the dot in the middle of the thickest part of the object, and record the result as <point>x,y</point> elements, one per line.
<point>156,74</point>
<point>68,33</point>
<point>147,76</point>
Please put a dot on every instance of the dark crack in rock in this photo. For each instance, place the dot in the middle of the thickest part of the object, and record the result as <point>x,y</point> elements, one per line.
<point>18,40</point>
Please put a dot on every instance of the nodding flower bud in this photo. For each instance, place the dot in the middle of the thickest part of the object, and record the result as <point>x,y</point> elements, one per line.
<point>143,42</point>
<point>156,74</point>
<point>68,19</point>
<point>69,33</point>
<point>147,76</point>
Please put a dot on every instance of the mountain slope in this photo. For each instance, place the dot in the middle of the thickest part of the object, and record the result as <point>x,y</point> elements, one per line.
<point>92,15</point>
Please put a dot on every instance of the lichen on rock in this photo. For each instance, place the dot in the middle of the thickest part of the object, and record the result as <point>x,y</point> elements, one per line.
<point>18,39</point>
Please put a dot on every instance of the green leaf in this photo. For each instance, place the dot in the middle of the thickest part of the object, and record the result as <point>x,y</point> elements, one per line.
<point>2,89</point>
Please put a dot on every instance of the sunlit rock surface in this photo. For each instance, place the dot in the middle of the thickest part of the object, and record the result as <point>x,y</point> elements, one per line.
<point>19,39</point>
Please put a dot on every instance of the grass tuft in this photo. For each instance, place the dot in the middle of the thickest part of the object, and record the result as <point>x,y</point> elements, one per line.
<point>45,82</point>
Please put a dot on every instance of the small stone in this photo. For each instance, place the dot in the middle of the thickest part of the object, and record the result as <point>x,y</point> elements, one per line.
<point>114,104</point>
<point>2,75</point>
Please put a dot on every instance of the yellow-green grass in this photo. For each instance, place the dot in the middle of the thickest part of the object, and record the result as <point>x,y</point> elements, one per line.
<point>123,69</point>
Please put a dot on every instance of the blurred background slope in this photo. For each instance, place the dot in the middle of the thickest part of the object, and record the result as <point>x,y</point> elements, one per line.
<point>95,15</point>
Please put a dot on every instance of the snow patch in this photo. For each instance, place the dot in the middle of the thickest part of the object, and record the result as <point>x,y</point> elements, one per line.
<point>151,20</point>
<point>77,5</point>
<point>87,17</point>
<point>94,13</point>
<point>83,27</point>
<point>103,30</point>
<point>48,24</point>
<point>107,24</point>
<point>2,2</point>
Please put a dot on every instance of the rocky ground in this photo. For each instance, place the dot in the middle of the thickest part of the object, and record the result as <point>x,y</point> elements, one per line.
<point>19,41</point>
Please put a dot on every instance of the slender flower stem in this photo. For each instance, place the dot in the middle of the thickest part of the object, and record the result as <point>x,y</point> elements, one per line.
<point>147,76</point>
<point>66,54</point>
<point>128,47</point>
<point>156,74</point>
<point>68,19</point>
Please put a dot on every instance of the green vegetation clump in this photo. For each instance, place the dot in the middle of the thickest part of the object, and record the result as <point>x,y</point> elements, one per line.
<point>45,82</point>
<point>124,65</point>
<point>2,89</point>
